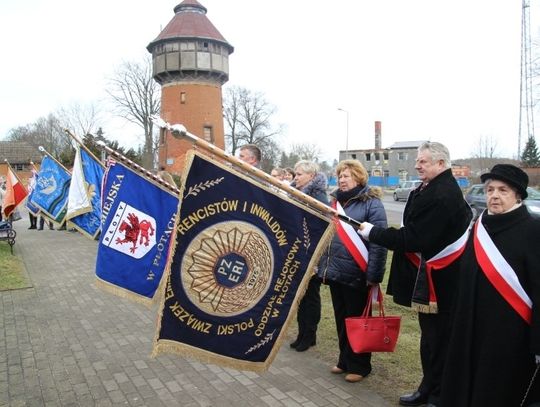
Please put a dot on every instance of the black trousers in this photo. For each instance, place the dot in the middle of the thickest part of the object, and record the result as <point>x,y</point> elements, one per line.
<point>33,220</point>
<point>435,334</point>
<point>42,223</point>
<point>349,302</point>
<point>309,309</point>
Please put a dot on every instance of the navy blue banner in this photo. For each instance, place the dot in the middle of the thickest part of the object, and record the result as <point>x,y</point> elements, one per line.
<point>244,254</point>
<point>138,221</point>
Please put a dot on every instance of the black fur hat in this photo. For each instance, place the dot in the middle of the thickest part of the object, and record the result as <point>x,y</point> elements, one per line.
<point>510,174</point>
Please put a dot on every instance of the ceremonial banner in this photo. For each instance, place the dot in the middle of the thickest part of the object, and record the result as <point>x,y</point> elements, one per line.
<point>138,221</point>
<point>244,255</point>
<point>51,191</point>
<point>15,192</point>
<point>33,209</point>
<point>84,199</point>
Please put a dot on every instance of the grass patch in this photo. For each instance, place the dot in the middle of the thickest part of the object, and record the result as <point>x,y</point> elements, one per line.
<point>394,373</point>
<point>12,271</point>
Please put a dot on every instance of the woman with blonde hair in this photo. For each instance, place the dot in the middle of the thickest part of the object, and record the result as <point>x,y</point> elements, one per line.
<point>349,280</point>
<point>311,182</point>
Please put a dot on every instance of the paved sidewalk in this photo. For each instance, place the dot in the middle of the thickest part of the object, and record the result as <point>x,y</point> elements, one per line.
<point>64,342</point>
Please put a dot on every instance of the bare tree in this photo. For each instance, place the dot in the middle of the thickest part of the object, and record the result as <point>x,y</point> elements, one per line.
<point>484,157</point>
<point>46,132</point>
<point>248,117</point>
<point>486,147</point>
<point>271,152</point>
<point>306,151</point>
<point>137,97</point>
<point>80,119</point>
<point>231,113</point>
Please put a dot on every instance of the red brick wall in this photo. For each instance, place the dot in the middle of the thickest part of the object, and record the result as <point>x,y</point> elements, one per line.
<point>202,107</point>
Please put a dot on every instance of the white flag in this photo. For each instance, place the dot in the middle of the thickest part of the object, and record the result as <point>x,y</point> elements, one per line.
<point>79,201</point>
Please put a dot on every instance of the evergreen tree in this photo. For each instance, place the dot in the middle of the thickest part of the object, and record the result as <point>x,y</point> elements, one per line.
<point>530,156</point>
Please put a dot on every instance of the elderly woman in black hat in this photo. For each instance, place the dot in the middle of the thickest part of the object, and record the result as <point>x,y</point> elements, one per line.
<point>494,349</point>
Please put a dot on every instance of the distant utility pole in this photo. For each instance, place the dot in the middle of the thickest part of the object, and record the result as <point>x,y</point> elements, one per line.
<point>526,117</point>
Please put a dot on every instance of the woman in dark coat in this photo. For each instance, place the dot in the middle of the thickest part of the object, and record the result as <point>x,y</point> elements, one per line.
<point>349,284</point>
<point>313,183</point>
<point>495,340</point>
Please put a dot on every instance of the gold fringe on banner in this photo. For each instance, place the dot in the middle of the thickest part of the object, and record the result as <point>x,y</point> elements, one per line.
<point>123,293</point>
<point>168,346</point>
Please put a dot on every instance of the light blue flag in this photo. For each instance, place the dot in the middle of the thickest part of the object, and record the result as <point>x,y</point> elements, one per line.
<point>84,202</point>
<point>51,191</point>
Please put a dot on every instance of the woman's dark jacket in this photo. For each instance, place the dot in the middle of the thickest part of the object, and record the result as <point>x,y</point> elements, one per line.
<point>316,188</point>
<point>336,264</point>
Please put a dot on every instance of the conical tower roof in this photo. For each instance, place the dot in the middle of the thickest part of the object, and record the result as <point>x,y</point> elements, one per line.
<point>190,21</point>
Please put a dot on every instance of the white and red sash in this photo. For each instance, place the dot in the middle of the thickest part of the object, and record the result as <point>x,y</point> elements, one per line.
<point>441,260</point>
<point>446,256</point>
<point>350,239</point>
<point>499,273</point>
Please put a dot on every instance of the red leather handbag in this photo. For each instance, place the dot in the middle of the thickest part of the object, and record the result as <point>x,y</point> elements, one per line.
<point>368,333</point>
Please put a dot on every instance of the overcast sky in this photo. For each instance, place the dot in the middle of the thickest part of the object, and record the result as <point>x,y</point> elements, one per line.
<point>427,69</point>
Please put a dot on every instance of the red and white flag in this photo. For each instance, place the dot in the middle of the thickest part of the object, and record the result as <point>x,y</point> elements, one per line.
<point>15,193</point>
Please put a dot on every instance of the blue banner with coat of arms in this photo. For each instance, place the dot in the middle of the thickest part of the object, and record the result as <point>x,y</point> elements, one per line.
<point>244,255</point>
<point>138,218</point>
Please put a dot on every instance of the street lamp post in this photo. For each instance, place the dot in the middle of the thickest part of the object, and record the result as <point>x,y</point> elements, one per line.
<point>347,138</point>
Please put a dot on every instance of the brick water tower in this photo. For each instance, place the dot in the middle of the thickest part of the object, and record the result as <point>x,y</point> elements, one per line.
<point>191,63</point>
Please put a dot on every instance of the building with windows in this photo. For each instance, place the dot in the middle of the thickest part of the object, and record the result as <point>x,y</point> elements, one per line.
<point>19,154</point>
<point>393,165</point>
<point>191,63</point>
<point>387,166</point>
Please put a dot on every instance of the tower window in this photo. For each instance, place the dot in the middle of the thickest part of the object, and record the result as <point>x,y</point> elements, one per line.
<point>202,46</point>
<point>208,134</point>
<point>171,47</point>
<point>187,46</point>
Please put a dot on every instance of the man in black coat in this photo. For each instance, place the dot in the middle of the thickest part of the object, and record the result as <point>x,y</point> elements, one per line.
<point>436,217</point>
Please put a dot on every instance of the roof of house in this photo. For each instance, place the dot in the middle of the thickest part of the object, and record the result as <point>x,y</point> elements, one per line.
<point>190,21</point>
<point>19,152</point>
<point>407,144</point>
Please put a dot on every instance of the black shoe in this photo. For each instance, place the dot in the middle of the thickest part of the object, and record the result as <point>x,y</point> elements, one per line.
<point>296,342</point>
<point>431,405</point>
<point>40,228</point>
<point>32,227</point>
<point>305,344</point>
<point>414,399</point>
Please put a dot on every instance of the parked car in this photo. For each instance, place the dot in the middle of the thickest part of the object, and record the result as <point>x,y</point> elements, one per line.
<point>476,197</point>
<point>402,192</point>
